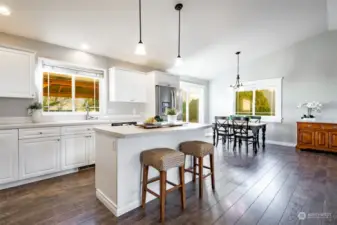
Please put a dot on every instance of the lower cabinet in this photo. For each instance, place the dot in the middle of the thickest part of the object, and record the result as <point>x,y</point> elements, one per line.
<point>333,139</point>
<point>307,138</point>
<point>39,157</point>
<point>317,136</point>
<point>91,152</point>
<point>77,151</point>
<point>9,156</point>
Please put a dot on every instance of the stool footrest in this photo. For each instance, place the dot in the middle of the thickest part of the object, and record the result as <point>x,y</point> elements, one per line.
<point>206,167</point>
<point>191,171</point>
<point>152,192</point>
<point>153,180</point>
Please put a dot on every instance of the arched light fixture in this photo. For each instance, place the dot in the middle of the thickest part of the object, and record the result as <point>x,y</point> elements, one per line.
<point>179,60</point>
<point>140,49</point>
<point>237,84</point>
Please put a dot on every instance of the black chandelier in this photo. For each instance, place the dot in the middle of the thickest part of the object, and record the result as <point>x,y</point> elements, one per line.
<point>237,84</point>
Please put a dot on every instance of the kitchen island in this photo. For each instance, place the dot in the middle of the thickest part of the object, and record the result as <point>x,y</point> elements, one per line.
<point>118,167</point>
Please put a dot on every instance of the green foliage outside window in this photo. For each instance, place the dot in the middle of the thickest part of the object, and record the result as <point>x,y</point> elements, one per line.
<point>264,103</point>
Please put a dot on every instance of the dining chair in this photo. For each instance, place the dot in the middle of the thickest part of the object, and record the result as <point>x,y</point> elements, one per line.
<point>223,129</point>
<point>256,119</point>
<point>241,131</point>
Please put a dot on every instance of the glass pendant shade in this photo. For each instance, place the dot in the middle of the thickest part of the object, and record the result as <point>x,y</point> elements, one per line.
<point>179,61</point>
<point>140,49</point>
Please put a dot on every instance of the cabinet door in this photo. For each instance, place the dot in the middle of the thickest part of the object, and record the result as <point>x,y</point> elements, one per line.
<point>322,139</point>
<point>333,140</point>
<point>9,156</point>
<point>127,86</point>
<point>39,157</point>
<point>307,138</point>
<point>74,151</point>
<point>16,73</point>
<point>91,149</point>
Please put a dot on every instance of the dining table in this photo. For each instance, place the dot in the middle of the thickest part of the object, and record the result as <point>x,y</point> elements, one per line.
<point>255,127</point>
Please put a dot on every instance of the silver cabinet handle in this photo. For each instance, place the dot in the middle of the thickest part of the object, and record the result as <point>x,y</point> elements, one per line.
<point>40,132</point>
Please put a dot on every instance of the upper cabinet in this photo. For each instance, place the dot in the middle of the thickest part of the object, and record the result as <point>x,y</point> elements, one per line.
<point>16,73</point>
<point>127,85</point>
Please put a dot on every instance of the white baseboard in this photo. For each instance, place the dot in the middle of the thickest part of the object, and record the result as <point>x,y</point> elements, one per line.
<point>107,202</point>
<point>35,179</point>
<point>289,144</point>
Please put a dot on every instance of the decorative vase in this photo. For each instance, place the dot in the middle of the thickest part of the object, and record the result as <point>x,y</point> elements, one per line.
<point>37,116</point>
<point>171,118</point>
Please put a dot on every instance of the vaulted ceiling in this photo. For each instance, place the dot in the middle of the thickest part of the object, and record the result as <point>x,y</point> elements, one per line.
<point>212,30</point>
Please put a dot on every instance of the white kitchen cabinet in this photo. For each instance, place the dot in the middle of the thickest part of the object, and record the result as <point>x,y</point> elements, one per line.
<point>39,157</point>
<point>91,149</point>
<point>16,73</point>
<point>76,150</point>
<point>127,86</point>
<point>9,152</point>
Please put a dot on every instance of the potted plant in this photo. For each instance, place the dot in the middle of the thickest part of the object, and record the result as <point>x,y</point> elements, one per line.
<point>35,111</point>
<point>311,107</point>
<point>171,115</point>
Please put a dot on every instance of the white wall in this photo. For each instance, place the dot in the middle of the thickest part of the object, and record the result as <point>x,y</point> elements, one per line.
<point>13,107</point>
<point>309,69</point>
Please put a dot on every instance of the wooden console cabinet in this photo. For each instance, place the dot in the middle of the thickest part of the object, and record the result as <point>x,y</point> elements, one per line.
<point>317,136</point>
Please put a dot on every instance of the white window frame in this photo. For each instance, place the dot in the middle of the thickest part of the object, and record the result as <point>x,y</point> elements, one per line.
<point>187,87</point>
<point>275,84</point>
<point>102,88</point>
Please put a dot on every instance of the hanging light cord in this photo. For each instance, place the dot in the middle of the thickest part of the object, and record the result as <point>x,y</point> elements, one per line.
<point>238,62</point>
<point>140,21</point>
<point>179,36</point>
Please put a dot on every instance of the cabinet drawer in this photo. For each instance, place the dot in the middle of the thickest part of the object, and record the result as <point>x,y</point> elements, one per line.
<point>39,132</point>
<point>309,126</point>
<point>73,130</point>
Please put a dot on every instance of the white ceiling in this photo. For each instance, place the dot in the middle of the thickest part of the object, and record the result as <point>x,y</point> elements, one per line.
<point>212,30</point>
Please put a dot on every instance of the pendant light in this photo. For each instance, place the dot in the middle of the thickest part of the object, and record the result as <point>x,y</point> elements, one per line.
<point>140,49</point>
<point>179,60</point>
<point>237,84</point>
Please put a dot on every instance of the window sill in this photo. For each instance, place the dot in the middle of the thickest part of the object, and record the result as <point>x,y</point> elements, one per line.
<point>271,119</point>
<point>70,113</point>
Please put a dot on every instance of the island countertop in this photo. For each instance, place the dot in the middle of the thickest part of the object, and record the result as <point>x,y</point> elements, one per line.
<point>135,131</point>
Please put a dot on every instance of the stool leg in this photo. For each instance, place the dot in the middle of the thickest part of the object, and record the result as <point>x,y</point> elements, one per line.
<point>194,168</point>
<point>145,177</point>
<point>182,188</point>
<point>162,195</point>
<point>211,158</point>
<point>201,166</point>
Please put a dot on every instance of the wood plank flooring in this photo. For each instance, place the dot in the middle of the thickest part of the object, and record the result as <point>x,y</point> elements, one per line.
<point>269,188</point>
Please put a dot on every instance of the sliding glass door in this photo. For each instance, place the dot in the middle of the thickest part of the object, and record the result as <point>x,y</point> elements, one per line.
<point>193,102</point>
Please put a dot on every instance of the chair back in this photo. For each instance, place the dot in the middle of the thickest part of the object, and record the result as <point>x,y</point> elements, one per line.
<point>240,125</point>
<point>222,124</point>
<point>255,119</point>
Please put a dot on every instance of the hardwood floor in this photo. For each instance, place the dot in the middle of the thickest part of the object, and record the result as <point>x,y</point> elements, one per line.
<point>269,188</point>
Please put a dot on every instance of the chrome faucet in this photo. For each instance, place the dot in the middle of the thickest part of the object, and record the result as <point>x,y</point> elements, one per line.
<point>88,117</point>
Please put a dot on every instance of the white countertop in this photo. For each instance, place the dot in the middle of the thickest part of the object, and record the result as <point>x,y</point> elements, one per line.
<point>135,131</point>
<point>318,121</point>
<point>6,126</point>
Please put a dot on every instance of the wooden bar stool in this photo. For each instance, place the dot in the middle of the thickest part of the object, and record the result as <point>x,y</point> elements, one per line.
<point>163,159</point>
<point>199,149</point>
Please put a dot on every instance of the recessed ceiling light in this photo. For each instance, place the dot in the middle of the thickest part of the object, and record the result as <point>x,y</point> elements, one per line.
<point>4,11</point>
<point>85,46</point>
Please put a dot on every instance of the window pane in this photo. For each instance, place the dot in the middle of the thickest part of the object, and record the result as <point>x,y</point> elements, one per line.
<point>60,92</point>
<point>86,93</point>
<point>193,108</point>
<point>184,97</point>
<point>244,103</point>
<point>265,102</point>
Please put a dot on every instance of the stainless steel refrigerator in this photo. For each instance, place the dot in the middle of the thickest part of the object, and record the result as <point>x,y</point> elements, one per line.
<point>167,97</point>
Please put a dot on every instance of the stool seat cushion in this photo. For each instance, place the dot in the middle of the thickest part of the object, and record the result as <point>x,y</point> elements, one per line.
<point>162,159</point>
<point>197,148</point>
